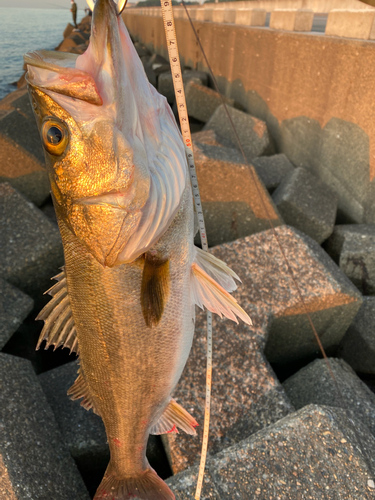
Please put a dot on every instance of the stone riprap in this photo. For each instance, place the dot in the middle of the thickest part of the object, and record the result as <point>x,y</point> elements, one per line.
<point>211,138</point>
<point>252,132</point>
<point>201,102</point>
<point>314,384</point>
<point>34,463</point>
<point>165,82</point>
<point>352,246</point>
<point>246,394</point>
<point>357,347</point>
<point>313,453</point>
<point>272,169</point>
<point>234,200</point>
<point>83,431</point>
<point>14,307</point>
<point>307,204</point>
<point>21,153</point>
<point>30,245</point>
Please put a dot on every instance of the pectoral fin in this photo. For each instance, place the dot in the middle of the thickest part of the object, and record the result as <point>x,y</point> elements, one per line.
<point>154,289</point>
<point>209,293</point>
<point>174,417</point>
<point>58,329</point>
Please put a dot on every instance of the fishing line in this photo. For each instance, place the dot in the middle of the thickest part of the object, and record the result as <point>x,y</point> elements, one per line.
<point>290,271</point>
<point>178,84</point>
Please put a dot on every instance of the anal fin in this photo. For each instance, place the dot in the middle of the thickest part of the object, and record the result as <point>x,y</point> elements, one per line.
<point>80,390</point>
<point>58,329</point>
<point>175,417</point>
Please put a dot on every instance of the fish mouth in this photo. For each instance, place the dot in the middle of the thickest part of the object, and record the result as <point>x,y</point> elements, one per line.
<point>119,199</point>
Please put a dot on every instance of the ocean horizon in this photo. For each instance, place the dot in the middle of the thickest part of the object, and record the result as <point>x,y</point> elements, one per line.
<point>26,29</point>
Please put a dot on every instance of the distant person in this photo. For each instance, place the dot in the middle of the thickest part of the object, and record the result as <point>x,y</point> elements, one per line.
<point>73,10</point>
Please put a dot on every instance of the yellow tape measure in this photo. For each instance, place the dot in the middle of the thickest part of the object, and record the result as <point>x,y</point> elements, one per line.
<point>170,33</point>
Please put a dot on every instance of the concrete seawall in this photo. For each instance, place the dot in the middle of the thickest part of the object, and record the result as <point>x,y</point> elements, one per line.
<point>314,92</point>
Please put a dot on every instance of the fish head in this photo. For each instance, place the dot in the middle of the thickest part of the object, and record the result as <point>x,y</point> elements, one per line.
<point>100,126</point>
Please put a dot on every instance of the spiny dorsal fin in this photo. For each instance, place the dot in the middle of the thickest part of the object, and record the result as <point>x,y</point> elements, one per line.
<point>80,390</point>
<point>155,288</point>
<point>58,326</point>
<point>214,296</point>
<point>174,417</point>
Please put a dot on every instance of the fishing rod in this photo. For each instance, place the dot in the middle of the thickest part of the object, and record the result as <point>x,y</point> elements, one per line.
<point>169,27</point>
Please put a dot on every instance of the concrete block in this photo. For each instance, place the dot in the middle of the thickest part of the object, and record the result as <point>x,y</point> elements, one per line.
<point>352,246</point>
<point>307,204</point>
<point>208,14</point>
<point>230,193</point>
<point>210,138</point>
<point>350,23</point>
<point>72,41</point>
<point>141,49</point>
<point>230,16</point>
<point>314,384</point>
<point>252,132</point>
<point>218,15</point>
<point>246,393</point>
<point>292,19</point>
<point>30,245</point>
<point>251,17</point>
<point>34,463</point>
<point>202,102</point>
<point>14,307</point>
<point>83,432</point>
<point>68,30</point>
<point>165,82</point>
<point>272,169</point>
<point>357,347</point>
<point>21,154</point>
<point>313,453</point>
<point>200,15</point>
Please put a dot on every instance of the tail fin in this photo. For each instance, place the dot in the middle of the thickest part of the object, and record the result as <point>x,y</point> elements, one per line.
<point>145,486</point>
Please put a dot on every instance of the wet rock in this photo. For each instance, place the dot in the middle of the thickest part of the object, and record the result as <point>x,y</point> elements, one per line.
<point>21,153</point>
<point>165,82</point>
<point>34,463</point>
<point>83,431</point>
<point>313,453</point>
<point>352,246</point>
<point>307,204</point>
<point>357,347</point>
<point>272,169</point>
<point>246,394</point>
<point>30,245</point>
<point>14,307</point>
<point>230,194</point>
<point>252,132</point>
<point>202,102</point>
<point>314,384</point>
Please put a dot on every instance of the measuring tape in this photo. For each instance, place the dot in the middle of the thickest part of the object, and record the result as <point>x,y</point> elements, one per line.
<point>170,34</point>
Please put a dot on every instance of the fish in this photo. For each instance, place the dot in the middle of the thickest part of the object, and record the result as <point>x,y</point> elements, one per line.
<point>125,299</point>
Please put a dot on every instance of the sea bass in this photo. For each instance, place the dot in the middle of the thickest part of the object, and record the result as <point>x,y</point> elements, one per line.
<point>126,296</point>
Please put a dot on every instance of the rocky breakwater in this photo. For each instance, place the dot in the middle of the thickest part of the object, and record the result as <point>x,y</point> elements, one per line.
<point>278,427</point>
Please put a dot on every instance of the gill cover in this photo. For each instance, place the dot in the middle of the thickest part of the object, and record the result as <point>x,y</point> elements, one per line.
<point>116,158</point>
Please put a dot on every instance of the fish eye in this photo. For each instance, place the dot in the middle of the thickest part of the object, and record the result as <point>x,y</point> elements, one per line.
<point>55,137</point>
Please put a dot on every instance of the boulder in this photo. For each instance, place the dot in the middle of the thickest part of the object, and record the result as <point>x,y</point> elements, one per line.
<point>14,307</point>
<point>234,200</point>
<point>272,169</point>
<point>246,395</point>
<point>21,152</point>
<point>252,132</point>
<point>307,204</point>
<point>83,431</point>
<point>314,384</point>
<point>352,246</point>
<point>357,347</point>
<point>34,462</point>
<point>313,453</point>
<point>165,82</point>
<point>30,245</point>
<point>201,102</point>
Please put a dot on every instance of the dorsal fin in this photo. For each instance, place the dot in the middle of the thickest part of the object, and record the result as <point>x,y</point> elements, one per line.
<point>80,390</point>
<point>173,417</point>
<point>58,329</point>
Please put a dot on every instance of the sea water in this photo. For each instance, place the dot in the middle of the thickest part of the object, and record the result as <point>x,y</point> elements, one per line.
<point>23,30</point>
